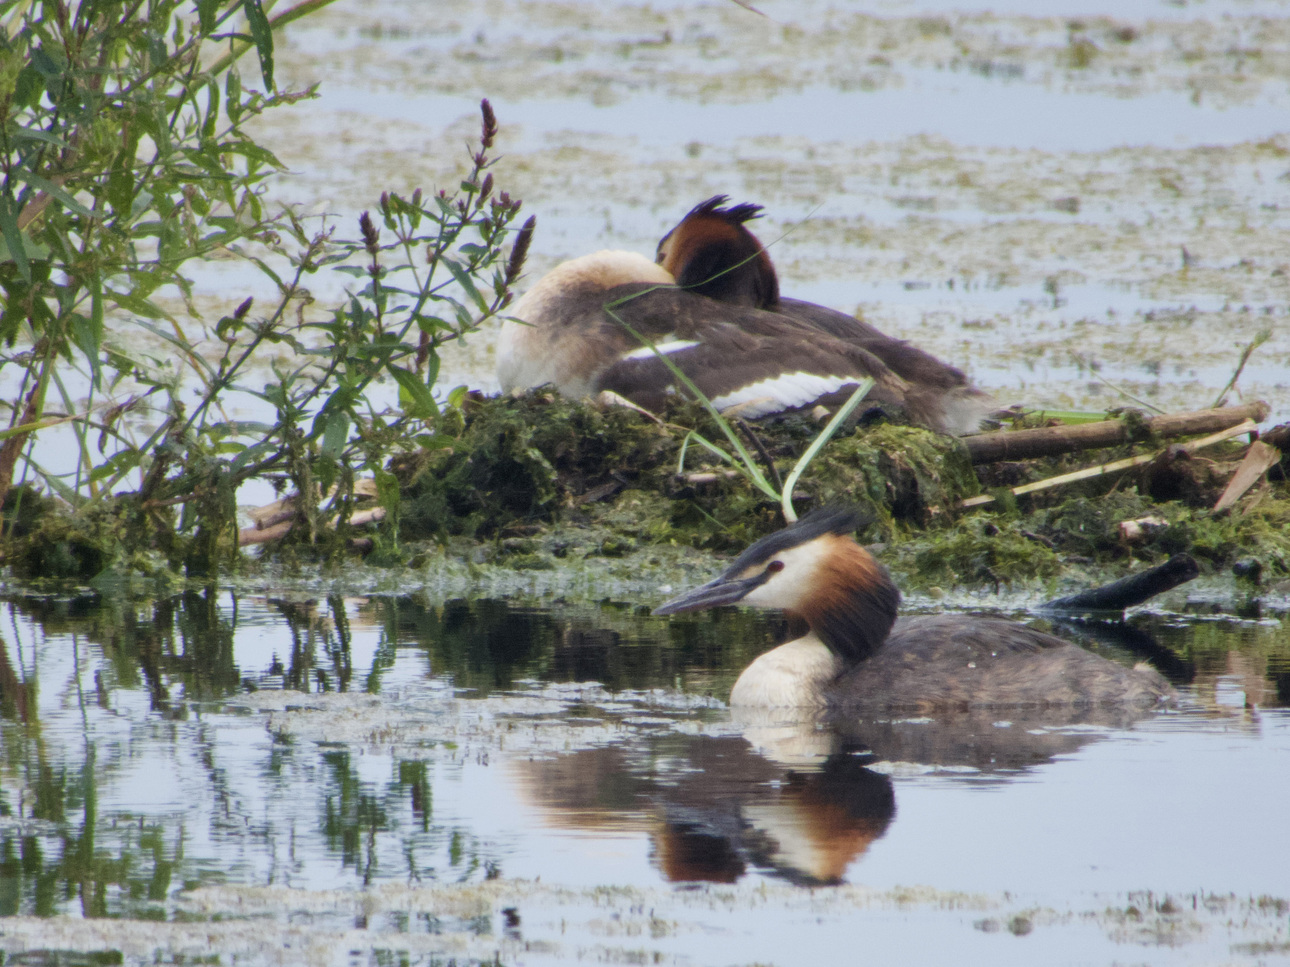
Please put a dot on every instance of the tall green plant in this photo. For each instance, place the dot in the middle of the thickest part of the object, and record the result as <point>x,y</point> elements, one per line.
<point>124,157</point>
<point>125,162</point>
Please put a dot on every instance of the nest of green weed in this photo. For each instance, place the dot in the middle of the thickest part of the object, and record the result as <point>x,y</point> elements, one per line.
<point>528,481</point>
<point>524,464</point>
<point>609,480</point>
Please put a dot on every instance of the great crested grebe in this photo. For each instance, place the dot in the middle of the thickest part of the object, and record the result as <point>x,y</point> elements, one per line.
<point>581,327</point>
<point>712,252</point>
<point>856,652</point>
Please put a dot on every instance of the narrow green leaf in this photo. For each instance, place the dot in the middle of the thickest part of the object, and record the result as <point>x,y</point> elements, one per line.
<point>122,462</point>
<point>120,185</point>
<point>431,324</point>
<point>28,87</point>
<point>55,483</point>
<point>466,282</point>
<point>211,124</point>
<point>206,11</point>
<point>432,368</point>
<point>35,425</point>
<point>233,96</point>
<point>387,489</point>
<point>335,433</point>
<point>420,402</point>
<point>138,305</point>
<point>34,134</point>
<point>45,64</point>
<point>861,391</point>
<point>13,237</point>
<point>251,454</point>
<point>88,340</point>
<point>262,33</point>
<point>434,441</point>
<point>47,186</point>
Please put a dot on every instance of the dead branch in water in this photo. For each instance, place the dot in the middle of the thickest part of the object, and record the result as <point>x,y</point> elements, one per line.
<point>1051,441</point>
<point>1131,590</point>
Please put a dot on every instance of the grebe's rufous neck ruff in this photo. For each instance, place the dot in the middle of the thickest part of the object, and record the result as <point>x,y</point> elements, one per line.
<point>858,655</point>
<point>712,253</point>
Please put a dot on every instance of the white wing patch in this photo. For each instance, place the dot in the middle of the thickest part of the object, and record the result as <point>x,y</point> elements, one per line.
<point>785,392</point>
<point>670,346</point>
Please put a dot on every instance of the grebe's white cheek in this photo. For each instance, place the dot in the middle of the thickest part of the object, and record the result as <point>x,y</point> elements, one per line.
<point>790,585</point>
<point>764,596</point>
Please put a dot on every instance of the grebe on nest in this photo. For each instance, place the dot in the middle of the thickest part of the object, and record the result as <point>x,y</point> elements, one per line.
<point>857,653</point>
<point>711,252</point>
<point>580,328</point>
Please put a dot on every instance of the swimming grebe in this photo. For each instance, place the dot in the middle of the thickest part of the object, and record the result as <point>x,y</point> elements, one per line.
<point>711,252</point>
<point>856,652</point>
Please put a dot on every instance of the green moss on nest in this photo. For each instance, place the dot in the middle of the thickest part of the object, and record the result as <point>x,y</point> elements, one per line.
<point>983,549</point>
<point>601,482</point>
<point>526,459</point>
<point>1090,526</point>
<point>47,540</point>
<point>900,473</point>
<point>536,459</point>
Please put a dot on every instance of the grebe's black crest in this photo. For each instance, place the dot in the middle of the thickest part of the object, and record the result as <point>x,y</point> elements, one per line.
<point>735,214</point>
<point>840,521</point>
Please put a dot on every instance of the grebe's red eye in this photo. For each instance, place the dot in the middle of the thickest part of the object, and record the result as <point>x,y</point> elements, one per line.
<point>774,567</point>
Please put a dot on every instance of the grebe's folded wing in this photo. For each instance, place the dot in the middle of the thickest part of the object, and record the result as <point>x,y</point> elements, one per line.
<point>738,357</point>
<point>905,359</point>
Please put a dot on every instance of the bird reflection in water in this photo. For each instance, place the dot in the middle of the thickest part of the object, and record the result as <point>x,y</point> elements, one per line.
<point>800,795</point>
<point>715,807</point>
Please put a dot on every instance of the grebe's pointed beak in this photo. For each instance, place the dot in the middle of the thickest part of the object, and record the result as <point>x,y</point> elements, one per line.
<point>715,593</point>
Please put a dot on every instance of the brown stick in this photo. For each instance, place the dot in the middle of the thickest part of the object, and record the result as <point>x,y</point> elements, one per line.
<point>275,520</point>
<point>12,447</point>
<point>1114,467</point>
<point>1051,440</point>
<point>262,535</point>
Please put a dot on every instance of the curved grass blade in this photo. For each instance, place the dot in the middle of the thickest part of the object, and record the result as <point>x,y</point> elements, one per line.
<point>847,408</point>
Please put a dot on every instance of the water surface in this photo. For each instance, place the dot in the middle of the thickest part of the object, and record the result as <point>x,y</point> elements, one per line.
<point>175,759</point>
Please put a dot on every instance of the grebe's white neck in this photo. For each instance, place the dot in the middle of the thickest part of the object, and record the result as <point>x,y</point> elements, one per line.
<point>793,675</point>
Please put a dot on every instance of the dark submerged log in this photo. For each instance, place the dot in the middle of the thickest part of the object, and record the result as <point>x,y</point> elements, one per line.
<point>1131,590</point>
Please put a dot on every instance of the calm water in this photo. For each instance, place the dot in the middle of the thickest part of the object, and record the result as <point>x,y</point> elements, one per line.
<point>158,750</point>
